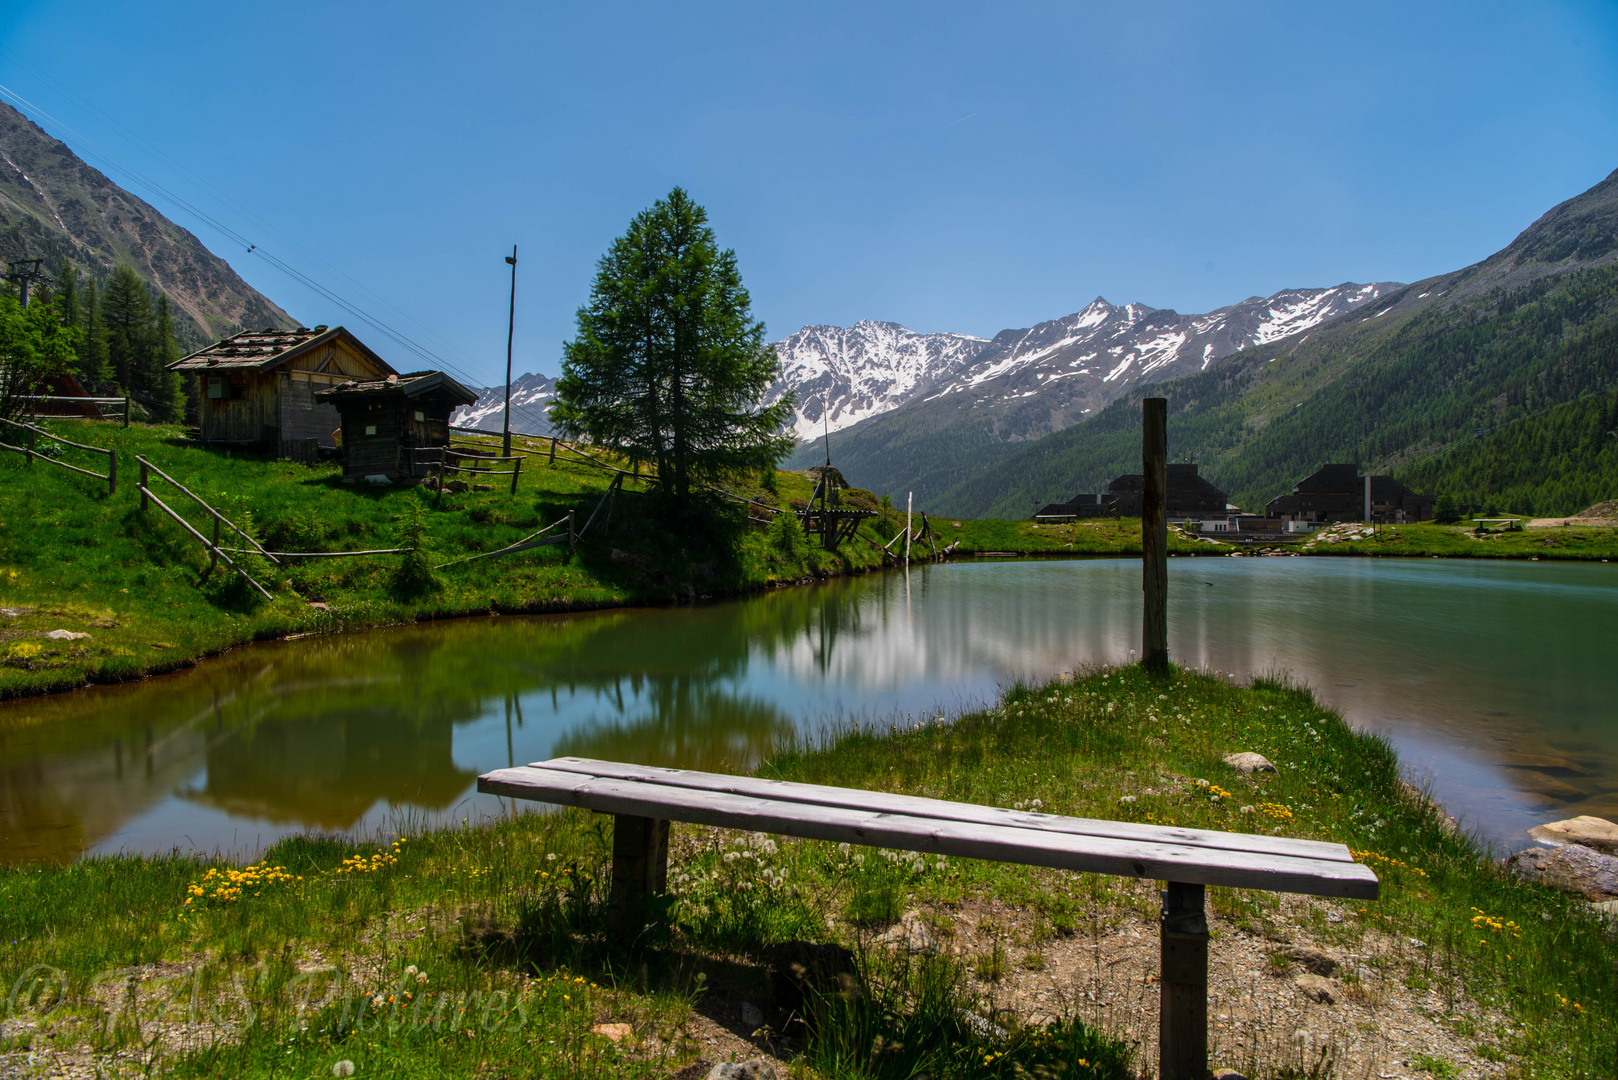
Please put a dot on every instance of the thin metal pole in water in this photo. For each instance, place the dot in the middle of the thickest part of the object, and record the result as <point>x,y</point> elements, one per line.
<point>910,508</point>
<point>1154,528</point>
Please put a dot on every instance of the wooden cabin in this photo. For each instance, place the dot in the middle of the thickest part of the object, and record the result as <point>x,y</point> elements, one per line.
<point>259,386</point>
<point>387,421</point>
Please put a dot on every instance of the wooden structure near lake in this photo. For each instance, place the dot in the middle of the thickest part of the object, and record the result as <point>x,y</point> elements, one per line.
<point>388,422</point>
<point>260,387</point>
<point>825,516</point>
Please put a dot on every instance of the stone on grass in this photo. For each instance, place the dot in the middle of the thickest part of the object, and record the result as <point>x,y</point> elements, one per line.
<point>1228,1074</point>
<point>66,635</point>
<point>1586,831</point>
<point>1317,988</point>
<point>751,1069</point>
<point>1321,963</point>
<point>1607,909</point>
<point>1571,868</point>
<point>911,933</point>
<point>752,1016</point>
<point>615,1032</point>
<point>1248,763</point>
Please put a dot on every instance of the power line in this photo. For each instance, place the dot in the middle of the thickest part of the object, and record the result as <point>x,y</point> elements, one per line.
<point>398,316</point>
<point>90,148</point>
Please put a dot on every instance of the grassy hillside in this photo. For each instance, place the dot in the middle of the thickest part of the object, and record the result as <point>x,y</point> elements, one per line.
<point>1388,392</point>
<point>73,558</point>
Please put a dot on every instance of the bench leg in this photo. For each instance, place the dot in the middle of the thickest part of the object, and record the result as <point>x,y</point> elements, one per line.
<point>640,868</point>
<point>1182,1035</point>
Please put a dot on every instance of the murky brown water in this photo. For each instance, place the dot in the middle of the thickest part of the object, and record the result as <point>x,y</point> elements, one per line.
<point>1498,681</point>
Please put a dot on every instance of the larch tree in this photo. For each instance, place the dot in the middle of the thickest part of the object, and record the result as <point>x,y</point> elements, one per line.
<point>669,366</point>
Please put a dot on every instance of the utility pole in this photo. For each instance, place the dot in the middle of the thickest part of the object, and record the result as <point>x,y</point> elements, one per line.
<point>22,273</point>
<point>511,326</point>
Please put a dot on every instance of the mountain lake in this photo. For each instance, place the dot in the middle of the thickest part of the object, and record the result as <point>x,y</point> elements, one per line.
<point>1495,681</point>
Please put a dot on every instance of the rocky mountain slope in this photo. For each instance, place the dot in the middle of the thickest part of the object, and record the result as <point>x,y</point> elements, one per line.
<point>1026,383</point>
<point>842,376</point>
<point>1420,373</point>
<point>531,398</point>
<point>55,207</point>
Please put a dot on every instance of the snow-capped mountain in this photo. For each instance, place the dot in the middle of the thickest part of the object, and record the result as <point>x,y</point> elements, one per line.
<point>531,398</point>
<point>1099,353</point>
<point>1038,379</point>
<point>843,376</point>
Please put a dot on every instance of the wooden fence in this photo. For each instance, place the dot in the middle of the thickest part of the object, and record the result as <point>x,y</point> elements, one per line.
<point>97,406</point>
<point>30,452</point>
<point>215,552</point>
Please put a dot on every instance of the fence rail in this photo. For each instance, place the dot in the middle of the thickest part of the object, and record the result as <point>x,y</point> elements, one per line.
<point>30,452</point>
<point>98,404</point>
<point>439,458</point>
<point>215,552</point>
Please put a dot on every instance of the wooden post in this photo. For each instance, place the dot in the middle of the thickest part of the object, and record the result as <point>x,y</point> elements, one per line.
<point>1154,529</point>
<point>213,552</point>
<point>112,472</point>
<point>516,471</point>
<point>126,410</point>
<point>553,451</point>
<point>640,869</point>
<point>1182,1034</point>
<point>910,508</point>
<point>144,486</point>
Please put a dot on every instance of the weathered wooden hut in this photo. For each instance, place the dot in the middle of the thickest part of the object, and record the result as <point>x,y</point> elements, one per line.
<point>259,386</point>
<point>386,422</point>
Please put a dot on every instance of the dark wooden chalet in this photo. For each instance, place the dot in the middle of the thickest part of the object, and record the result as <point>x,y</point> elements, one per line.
<point>1190,495</point>
<point>387,421</point>
<point>261,386</point>
<point>1339,492</point>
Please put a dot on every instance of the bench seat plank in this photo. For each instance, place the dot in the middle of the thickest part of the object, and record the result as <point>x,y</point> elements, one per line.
<point>1038,846</point>
<point>917,806</point>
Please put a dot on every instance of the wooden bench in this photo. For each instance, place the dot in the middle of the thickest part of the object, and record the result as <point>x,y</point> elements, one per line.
<point>645,799</point>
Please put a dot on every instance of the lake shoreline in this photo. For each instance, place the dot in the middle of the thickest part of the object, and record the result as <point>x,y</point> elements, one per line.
<point>1524,968</point>
<point>580,604</point>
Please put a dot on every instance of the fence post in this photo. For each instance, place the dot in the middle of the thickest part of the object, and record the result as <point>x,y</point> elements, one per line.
<point>1154,534</point>
<point>126,410</point>
<point>213,552</point>
<point>29,453</point>
<point>553,451</point>
<point>112,472</point>
<point>1182,1035</point>
<point>144,486</point>
<point>516,471</point>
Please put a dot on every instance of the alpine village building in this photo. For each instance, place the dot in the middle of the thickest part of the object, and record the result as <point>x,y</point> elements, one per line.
<point>1333,493</point>
<point>387,422</point>
<point>258,387</point>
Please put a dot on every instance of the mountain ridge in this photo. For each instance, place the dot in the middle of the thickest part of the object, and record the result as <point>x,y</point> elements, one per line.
<point>56,207</point>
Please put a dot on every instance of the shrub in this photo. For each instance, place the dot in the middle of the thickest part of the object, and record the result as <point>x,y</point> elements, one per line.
<point>414,576</point>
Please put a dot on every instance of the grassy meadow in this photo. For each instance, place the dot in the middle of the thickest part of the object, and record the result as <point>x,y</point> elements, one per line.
<point>482,950</point>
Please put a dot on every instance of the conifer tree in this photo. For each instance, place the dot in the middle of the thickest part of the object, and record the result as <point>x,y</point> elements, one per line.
<point>92,349</point>
<point>126,315</point>
<point>669,365</point>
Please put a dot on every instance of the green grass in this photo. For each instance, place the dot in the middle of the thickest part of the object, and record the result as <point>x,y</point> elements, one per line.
<point>516,907</point>
<point>1464,541</point>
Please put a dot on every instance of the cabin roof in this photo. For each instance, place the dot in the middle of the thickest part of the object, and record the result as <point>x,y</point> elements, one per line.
<point>262,350</point>
<point>412,385</point>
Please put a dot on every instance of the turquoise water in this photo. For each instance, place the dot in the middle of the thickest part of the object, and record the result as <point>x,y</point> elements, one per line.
<point>1496,681</point>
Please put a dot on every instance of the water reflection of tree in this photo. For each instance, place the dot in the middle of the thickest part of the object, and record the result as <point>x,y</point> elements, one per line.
<point>681,723</point>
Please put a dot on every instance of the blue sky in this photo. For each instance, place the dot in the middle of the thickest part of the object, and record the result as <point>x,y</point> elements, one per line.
<point>959,167</point>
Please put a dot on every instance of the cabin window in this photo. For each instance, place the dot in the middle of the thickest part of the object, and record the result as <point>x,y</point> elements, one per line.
<point>218,389</point>
<point>370,429</point>
<point>421,417</point>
